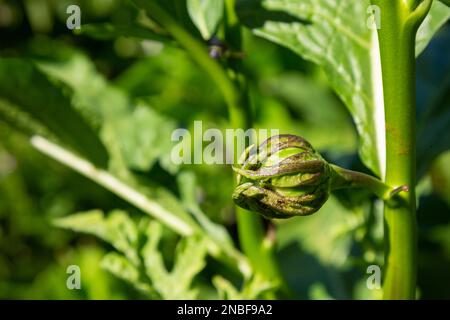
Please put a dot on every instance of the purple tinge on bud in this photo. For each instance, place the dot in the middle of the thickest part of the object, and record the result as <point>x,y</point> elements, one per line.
<point>286,177</point>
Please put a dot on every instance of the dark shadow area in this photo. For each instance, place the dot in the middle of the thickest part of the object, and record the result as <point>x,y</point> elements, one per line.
<point>252,14</point>
<point>302,271</point>
<point>433,100</point>
<point>433,261</point>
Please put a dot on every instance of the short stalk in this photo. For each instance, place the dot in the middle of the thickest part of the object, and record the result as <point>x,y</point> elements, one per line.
<point>345,178</point>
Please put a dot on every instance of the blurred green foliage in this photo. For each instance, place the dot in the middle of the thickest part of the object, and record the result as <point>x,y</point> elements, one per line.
<point>131,85</point>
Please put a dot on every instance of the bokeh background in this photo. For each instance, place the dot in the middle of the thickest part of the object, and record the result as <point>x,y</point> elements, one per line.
<point>324,256</point>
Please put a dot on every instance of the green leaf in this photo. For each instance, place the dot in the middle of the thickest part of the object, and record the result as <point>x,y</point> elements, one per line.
<point>327,235</point>
<point>334,34</point>
<point>189,261</point>
<point>172,204</point>
<point>178,10</point>
<point>93,95</point>
<point>143,134</point>
<point>117,229</point>
<point>21,120</point>
<point>108,31</point>
<point>206,15</point>
<point>253,288</point>
<point>30,91</point>
<point>441,234</point>
<point>438,16</point>
<point>226,289</point>
<point>215,234</point>
<point>343,46</point>
<point>120,267</point>
<point>318,107</point>
<point>440,174</point>
<point>323,247</point>
<point>145,137</point>
<point>187,184</point>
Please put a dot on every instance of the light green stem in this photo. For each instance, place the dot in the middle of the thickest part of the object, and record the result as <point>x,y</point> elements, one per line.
<point>229,257</point>
<point>345,178</point>
<point>399,23</point>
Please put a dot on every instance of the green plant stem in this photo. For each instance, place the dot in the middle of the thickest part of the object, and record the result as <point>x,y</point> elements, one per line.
<point>399,23</point>
<point>353,179</point>
<point>252,237</point>
<point>233,88</point>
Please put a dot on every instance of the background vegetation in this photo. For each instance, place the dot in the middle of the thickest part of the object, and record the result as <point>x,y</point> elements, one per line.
<point>125,90</point>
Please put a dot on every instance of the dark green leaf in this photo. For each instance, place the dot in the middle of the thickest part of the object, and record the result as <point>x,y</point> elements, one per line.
<point>107,31</point>
<point>317,107</point>
<point>177,10</point>
<point>32,92</point>
<point>117,229</point>
<point>189,261</point>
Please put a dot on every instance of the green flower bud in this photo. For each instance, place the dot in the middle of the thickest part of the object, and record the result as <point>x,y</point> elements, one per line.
<point>286,177</point>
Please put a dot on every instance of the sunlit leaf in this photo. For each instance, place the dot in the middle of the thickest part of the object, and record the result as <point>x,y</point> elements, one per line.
<point>206,15</point>
<point>438,16</point>
<point>120,267</point>
<point>253,288</point>
<point>117,229</point>
<point>143,134</point>
<point>189,261</point>
<point>335,35</point>
<point>145,137</point>
<point>188,185</point>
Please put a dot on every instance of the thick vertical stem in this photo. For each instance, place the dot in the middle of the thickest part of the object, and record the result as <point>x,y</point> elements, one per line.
<point>399,23</point>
